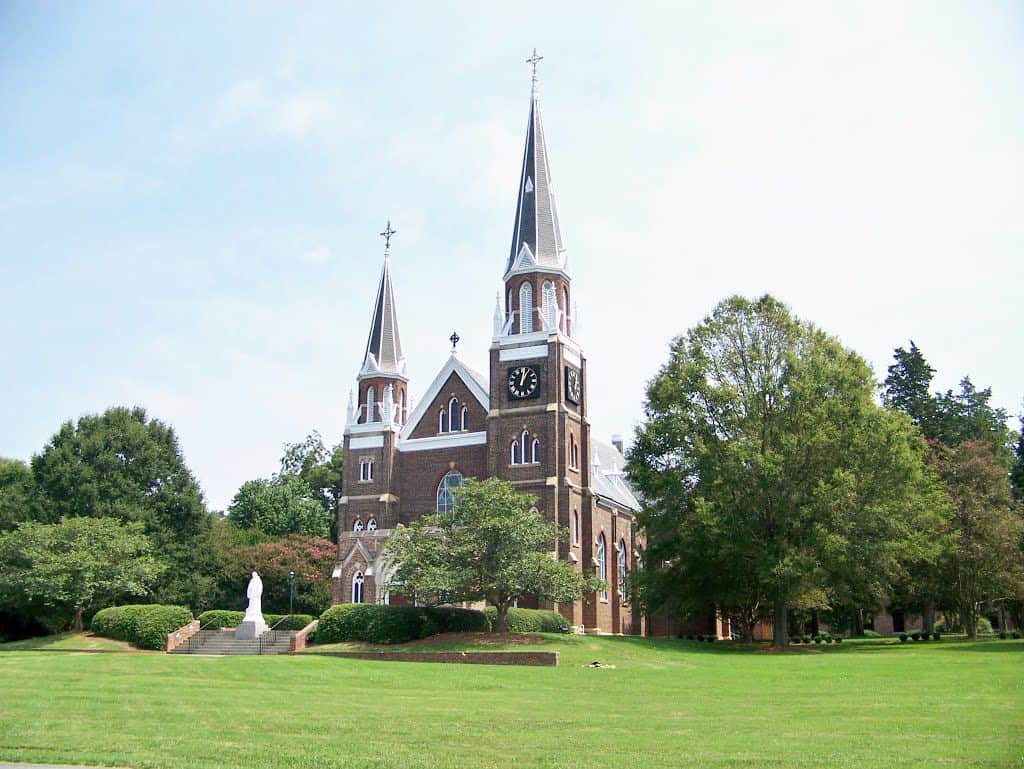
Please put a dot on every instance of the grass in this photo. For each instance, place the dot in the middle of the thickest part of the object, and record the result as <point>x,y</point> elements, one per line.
<point>668,703</point>
<point>68,642</point>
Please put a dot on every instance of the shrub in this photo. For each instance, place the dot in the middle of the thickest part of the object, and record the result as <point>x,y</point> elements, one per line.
<point>712,638</point>
<point>452,620</point>
<point>903,638</point>
<point>1002,635</point>
<point>807,639</point>
<point>375,624</point>
<point>145,626</point>
<point>839,639</point>
<point>530,620</point>
<point>828,639</point>
<point>916,635</point>
<point>224,618</point>
<point>795,639</point>
<point>700,637</point>
<point>936,635</point>
<point>817,639</point>
<point>924,637</point>
<point>1015,634</point>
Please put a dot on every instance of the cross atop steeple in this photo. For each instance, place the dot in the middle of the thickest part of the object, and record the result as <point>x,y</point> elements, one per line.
<point>534,60</point>
<point>388,232</point>
<point>454,339</point>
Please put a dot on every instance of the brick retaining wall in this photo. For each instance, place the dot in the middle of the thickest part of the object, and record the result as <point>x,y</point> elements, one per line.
<point>547,659</point>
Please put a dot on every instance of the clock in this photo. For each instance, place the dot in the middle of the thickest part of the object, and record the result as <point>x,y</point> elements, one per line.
<point>573,385</point>
<point>523,382</point>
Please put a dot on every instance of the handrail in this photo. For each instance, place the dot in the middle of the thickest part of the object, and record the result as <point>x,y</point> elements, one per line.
<point>195,641</point>
<point>270,636</point>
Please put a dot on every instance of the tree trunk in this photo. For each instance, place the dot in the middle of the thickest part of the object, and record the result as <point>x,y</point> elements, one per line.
<point>780,628</point>
<point>78,619</point>
<point>501,626</point>
<point>748,632</point>
<point>928,619</point>
<point>857,625</point>
<point>970,620</point>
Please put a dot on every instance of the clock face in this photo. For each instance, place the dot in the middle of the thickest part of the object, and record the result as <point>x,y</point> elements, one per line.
<point>523,382</point>
<point>573,385</point>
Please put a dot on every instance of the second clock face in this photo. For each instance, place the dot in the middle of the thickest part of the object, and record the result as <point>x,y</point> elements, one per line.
<point>573,385</point>
<point>523,382</point>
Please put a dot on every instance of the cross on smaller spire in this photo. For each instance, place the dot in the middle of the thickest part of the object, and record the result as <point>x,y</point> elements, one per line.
<point>533,61</point>
<point>388,232</point>
<point>454,339</point>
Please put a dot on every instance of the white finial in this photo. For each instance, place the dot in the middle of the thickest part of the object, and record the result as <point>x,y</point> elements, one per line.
<point>349,409</point>
<point>533,61</point>
<point>499,315</point>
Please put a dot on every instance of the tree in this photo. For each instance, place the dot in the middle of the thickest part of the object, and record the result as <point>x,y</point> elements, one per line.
<point>320,467</point>
<point>984,561</point>
<point>19,499</point>
<point>77,565</point>
<point>967,415</point>
<point>493,547</point>
<point>1017,473</point>
<point>280,506</point>
<point>768,472</point>
<point>311,558</point>
<point>125,465</point>
<point>908,389</point>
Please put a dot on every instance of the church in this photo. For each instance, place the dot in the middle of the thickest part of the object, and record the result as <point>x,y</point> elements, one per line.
<point>525,422</point>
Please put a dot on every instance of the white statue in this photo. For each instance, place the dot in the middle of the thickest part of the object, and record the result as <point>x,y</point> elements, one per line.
<point>254,612</point>
<point>253,624</point>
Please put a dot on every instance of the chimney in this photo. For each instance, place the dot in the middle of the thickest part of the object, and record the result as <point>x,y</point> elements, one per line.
<point>617,443</point>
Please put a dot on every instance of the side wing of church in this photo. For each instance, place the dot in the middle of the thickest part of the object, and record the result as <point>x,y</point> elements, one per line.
<point>525,422</point>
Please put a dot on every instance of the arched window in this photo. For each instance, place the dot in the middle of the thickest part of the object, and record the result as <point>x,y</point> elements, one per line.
<point>525,308</point>
<point>513,453</point>
<point>442,421</point>
<point>357,587</point>
<point>445,499</point>
<point>549,305</point>
<point>575,527</point>
<point>574,453</point>
<point>402,414</point>
<point>535,451</point>
<point>371,525</point>
<point>371,414</point>
<point>623,556</point>
<point>602,565</point>
<point>524,443</point>
<point>453,415</point>
<point>463,418</point>
<point>565,311</point>
<point>358,525</point>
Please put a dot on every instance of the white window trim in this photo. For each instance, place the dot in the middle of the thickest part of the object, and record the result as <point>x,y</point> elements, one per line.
<point>358,580</point>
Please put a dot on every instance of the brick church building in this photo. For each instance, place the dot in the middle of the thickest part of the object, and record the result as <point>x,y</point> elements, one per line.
<point>525,422</point>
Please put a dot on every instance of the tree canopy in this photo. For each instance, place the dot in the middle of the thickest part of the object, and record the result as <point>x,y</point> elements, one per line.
<point>75,565</point>
<point>19,498</point>
<point>494,547</point>
<point>280,506</point>
<point>769,474</point>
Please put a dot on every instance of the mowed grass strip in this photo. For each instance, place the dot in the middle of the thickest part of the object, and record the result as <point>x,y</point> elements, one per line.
<point>666,704</point>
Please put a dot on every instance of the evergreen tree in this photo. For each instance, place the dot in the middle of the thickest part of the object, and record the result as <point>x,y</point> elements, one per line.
<point>908,389</point>
<point>1017,474</point>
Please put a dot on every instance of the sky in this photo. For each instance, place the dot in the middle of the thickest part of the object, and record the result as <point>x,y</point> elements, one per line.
<point>191,195</point>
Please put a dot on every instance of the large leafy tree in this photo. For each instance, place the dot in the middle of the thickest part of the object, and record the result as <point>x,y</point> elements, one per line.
<point>984,560</point>
<point>126,465</point>
<point>282,505</point>
<point>76,565</point>
<point>493,547</point>
<point>768,472</point>
<point>19,498</point>
<point>320,467</point>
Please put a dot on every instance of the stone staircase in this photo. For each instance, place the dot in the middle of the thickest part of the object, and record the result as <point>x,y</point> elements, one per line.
<point>221,641</point>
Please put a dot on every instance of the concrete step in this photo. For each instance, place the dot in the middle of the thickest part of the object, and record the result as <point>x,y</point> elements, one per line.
<point>218,642</point>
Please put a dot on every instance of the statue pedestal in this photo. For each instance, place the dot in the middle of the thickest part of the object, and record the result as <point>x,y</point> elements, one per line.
<point>250,629</point>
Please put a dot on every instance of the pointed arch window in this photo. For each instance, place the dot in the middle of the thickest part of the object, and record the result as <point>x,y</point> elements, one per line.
<point>601,564</point>
<point>453,415</point>
<point>445,496</point>
<point>623,556</point>
<point>574,453</point>
<point>371,398</point>
<point>535,451</point>
<point>357,587</point>
<point>525,308</point>
<point>371,525</point>
<point>442,421</point>
<point>575,527</point>
<point>513,453</point>
<point>549,305</point>
<point>463,418</point>
<point>358,525</point>
<point>402,411</point>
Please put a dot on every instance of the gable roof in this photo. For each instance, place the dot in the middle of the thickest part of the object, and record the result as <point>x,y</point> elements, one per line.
<point>473,380</point>
<point>608,476</point>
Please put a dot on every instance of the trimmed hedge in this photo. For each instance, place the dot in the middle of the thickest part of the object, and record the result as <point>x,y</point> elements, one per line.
<point>226,618</point>
<point>145,626</point>
<point>372,623</point>
<point>530,620</point>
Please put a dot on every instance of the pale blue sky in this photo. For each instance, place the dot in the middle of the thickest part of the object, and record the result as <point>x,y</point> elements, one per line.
<point>190,198</point>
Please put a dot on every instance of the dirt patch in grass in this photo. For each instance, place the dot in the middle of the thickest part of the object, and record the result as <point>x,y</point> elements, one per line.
<point>477,639</point>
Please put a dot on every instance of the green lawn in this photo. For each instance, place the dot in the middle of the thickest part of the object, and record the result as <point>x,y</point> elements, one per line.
<point>667,704</point>
<point>68,641</point>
